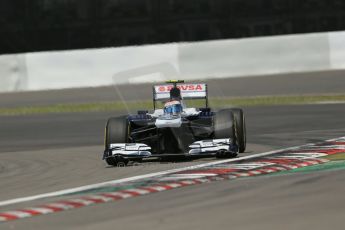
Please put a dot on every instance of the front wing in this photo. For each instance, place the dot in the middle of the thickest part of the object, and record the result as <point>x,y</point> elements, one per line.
<point>211,147</point>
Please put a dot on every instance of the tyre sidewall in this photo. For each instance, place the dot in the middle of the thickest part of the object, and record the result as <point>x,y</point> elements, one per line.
<point>240,128</point>
<point>224,125</point>
<point>116,131</point>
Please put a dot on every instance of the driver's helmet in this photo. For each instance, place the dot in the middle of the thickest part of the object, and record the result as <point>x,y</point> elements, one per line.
<point>173,107</point>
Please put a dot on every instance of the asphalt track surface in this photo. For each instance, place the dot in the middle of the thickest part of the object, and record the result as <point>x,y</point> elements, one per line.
<point>44,153</point>
<point>284,84</point>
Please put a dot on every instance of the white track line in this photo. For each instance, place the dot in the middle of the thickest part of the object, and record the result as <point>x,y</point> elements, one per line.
<point>135,178</point>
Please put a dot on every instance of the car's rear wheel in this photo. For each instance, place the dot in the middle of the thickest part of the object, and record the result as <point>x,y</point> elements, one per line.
<point>240,129</point>
<point>116,131</point>
<point>224,125</point>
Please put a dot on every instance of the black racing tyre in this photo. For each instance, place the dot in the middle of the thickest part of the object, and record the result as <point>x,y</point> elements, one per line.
<point>240,129</point>
<point>116,131</point>
<point>224,125</point>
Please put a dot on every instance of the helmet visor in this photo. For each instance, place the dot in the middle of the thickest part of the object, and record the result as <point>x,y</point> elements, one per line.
<point>173,109</point>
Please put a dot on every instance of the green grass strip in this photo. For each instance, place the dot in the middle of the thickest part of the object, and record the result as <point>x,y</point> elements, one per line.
<point>132,106</point>
<point>336,157</point>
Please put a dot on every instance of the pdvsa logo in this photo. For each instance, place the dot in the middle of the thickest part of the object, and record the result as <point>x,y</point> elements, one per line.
<point>186,87</point>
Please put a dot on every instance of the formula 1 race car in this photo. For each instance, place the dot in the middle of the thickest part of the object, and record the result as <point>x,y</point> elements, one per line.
<point>175,128</point>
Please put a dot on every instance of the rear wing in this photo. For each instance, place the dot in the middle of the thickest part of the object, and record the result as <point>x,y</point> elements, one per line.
<point>188,91</point>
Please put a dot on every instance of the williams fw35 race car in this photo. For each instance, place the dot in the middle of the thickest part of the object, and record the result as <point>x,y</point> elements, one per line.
<point>175,129</point>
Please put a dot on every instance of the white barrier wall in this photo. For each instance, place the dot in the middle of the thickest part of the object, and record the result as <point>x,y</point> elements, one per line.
<point>222,58</point>
<point>255,56</point>
<point>95,67</point>
<point>337,50</point>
